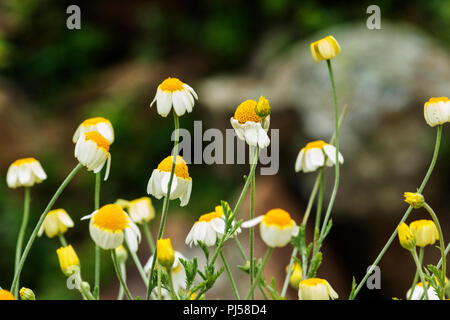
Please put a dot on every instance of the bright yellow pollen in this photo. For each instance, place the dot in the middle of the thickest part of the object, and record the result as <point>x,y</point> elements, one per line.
<point>436,100</point>
<point>98,139</point>
<point>246,112</point>
<point>315,144</point>
<point>209,216</point>
<point>23,161</point>
<point>314,282</point>
<point>111,217</point>
<point>278,217</point>
<point>6,295</point>
<point>171,85</point>
<point>181,168</point>
<point>93,121</point>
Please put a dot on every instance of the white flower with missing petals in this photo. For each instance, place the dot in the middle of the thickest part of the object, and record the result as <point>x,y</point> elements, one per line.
<point>25,172</point>
<point>313,156</point>
<point>99,124</point>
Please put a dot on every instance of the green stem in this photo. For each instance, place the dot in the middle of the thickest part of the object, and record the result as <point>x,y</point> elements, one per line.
<point>419,269</point>
<point>230,276</point>
<point>137,263</point>
<point>62,239</point>
<point>171,289</point>
<point>123,270</point>
<point>260,271</point>
<point>149,236</point>
<point>15,282</point>
<point>254,158</point>
<point>416,275</point>
<point>97,248</point>
<point>441,247</point>
<point>159,283</point>
<point>166,199</point>
<point>447,249</point>
<point>119,275</point>
<point>405,216</point>
<point>22,230</point>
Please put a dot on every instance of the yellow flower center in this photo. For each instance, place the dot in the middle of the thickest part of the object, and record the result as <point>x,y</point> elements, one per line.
<point>93,121</point>
<point>6,295</point>
<point>181,168</point>
<point>278,217</point>
<point>314,282</point>
<point>315,144</point>
<point>209,216</point>
<point>171,85</point>
<point>99,140</point>
<point>111,217</point>
<point>246,112</point>
<point>436,100</point>
<point>24,161</point>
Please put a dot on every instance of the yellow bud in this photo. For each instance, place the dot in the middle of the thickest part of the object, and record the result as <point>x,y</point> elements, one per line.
<point>165,253</point>
<point>414,199</point>
<point>262,108</point>
<point>406,237</point>
<point>296,275</point>
<point>68,259</point>
<point>425,232</point>
<point>325,49</point>
<point>121,254</point>
<point>27,294</point>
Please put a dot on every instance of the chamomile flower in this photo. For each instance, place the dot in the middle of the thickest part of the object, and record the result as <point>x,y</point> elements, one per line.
<point>181,188</point>
<point>173,92</point>
<point>419,291</point>
<point>92,151</point>
<point>276,227</point>
<point>109,225</point>
<point>425,232</point>
<point>141,210</point>
<point>437,111</point>
<point>313,155</point>
<point>56,222</point>
<point>325,49</point>
<point>209,228</point>
<point>6,295</point>
<point>25,172</point>
<point>177,271</point>
<point>68,260</point>
<point>99,124</point>
<point>248,125</point>
<point>316,289</point>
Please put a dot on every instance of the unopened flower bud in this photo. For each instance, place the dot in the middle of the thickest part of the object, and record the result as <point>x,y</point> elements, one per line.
<point>27,294</point>
<point>414,199</point>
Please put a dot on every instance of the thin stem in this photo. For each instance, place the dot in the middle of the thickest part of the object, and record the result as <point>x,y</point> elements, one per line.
<point>123,270</point>
<point>62,240</point>
<point>260,271</point>
<point>441,247</point>
<point>230,276</point>
<point>171,289</point>
<point>405,216</point>
<point>254,158</point>
<point>159,283</point>
<point>166,199</point>
<point>22,230</point>
<point>446,253</point>
<point>138,264</point>
<point>119,276</point>
<point>416,275</point>
<point>15,282</point>
<point>419,269</point>
<point>149,237</point>
<point>97,248</point>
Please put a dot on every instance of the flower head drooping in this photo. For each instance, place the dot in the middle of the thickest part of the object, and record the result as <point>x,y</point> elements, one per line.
<point>141,210</point>
<point>262,108</point>
<point>165,253</point>
<point>98,124</point>
<point>25,172</point>
<point>6,295</point>
<point>209,228</point>
<point>437,111</point>
<point>92,151</point>
<point>296,275</point>
<point>109,225</point>
<point>173,92</point>
<point>419,291</point>
<point>414,199</point>
<point>325,49</point>
<point>314,154</point>
<point>424,231</point>
<point>406,237</point>
<point>26,294</point>
<point>68,260</point>
<point>248,125</point>
<point>55,223</point>
<point>316,289</point>
<point>276,227</point>
<point>181,188</point>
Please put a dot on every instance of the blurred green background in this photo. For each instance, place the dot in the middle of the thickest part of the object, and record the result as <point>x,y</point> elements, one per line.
<point>52,78</point>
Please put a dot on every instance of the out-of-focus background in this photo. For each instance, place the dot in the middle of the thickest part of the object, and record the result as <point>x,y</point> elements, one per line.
<point>52,78</point>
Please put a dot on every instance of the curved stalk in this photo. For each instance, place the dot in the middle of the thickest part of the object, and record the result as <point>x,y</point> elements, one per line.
<point>119,275</point>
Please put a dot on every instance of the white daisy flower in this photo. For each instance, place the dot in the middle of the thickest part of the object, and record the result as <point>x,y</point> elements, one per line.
<point>173,92</point>
<point>109,225</point>
<point>276,227</point>
<point>92,150</point>
<point>141,210</point>
<point>316,289</point>
<point>248,125</point>
<point>99,124</point>
<point>419,290</point>
<point>25,173</point>
<point>209,228</point>
<point>437,111</point>
<point>181,188</point>
<point>313,155</point>
<point>56,222</point>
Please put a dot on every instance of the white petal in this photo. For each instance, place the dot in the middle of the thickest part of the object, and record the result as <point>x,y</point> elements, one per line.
<point>253,222</point>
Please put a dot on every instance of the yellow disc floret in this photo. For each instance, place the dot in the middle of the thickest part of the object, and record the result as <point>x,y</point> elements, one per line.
<point>278,217</point>
<point>99,140</point>
<point>94,121</point>
<point>181,168</point>
<point>6,295</point>
<point>111,217</point>
<point>436,100</point>
<point>315,144</point>
<point>23,161</point>
<point>210,216</point>
<point>171,85</point>
<point>314,282</point>
<point>246,112</point>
